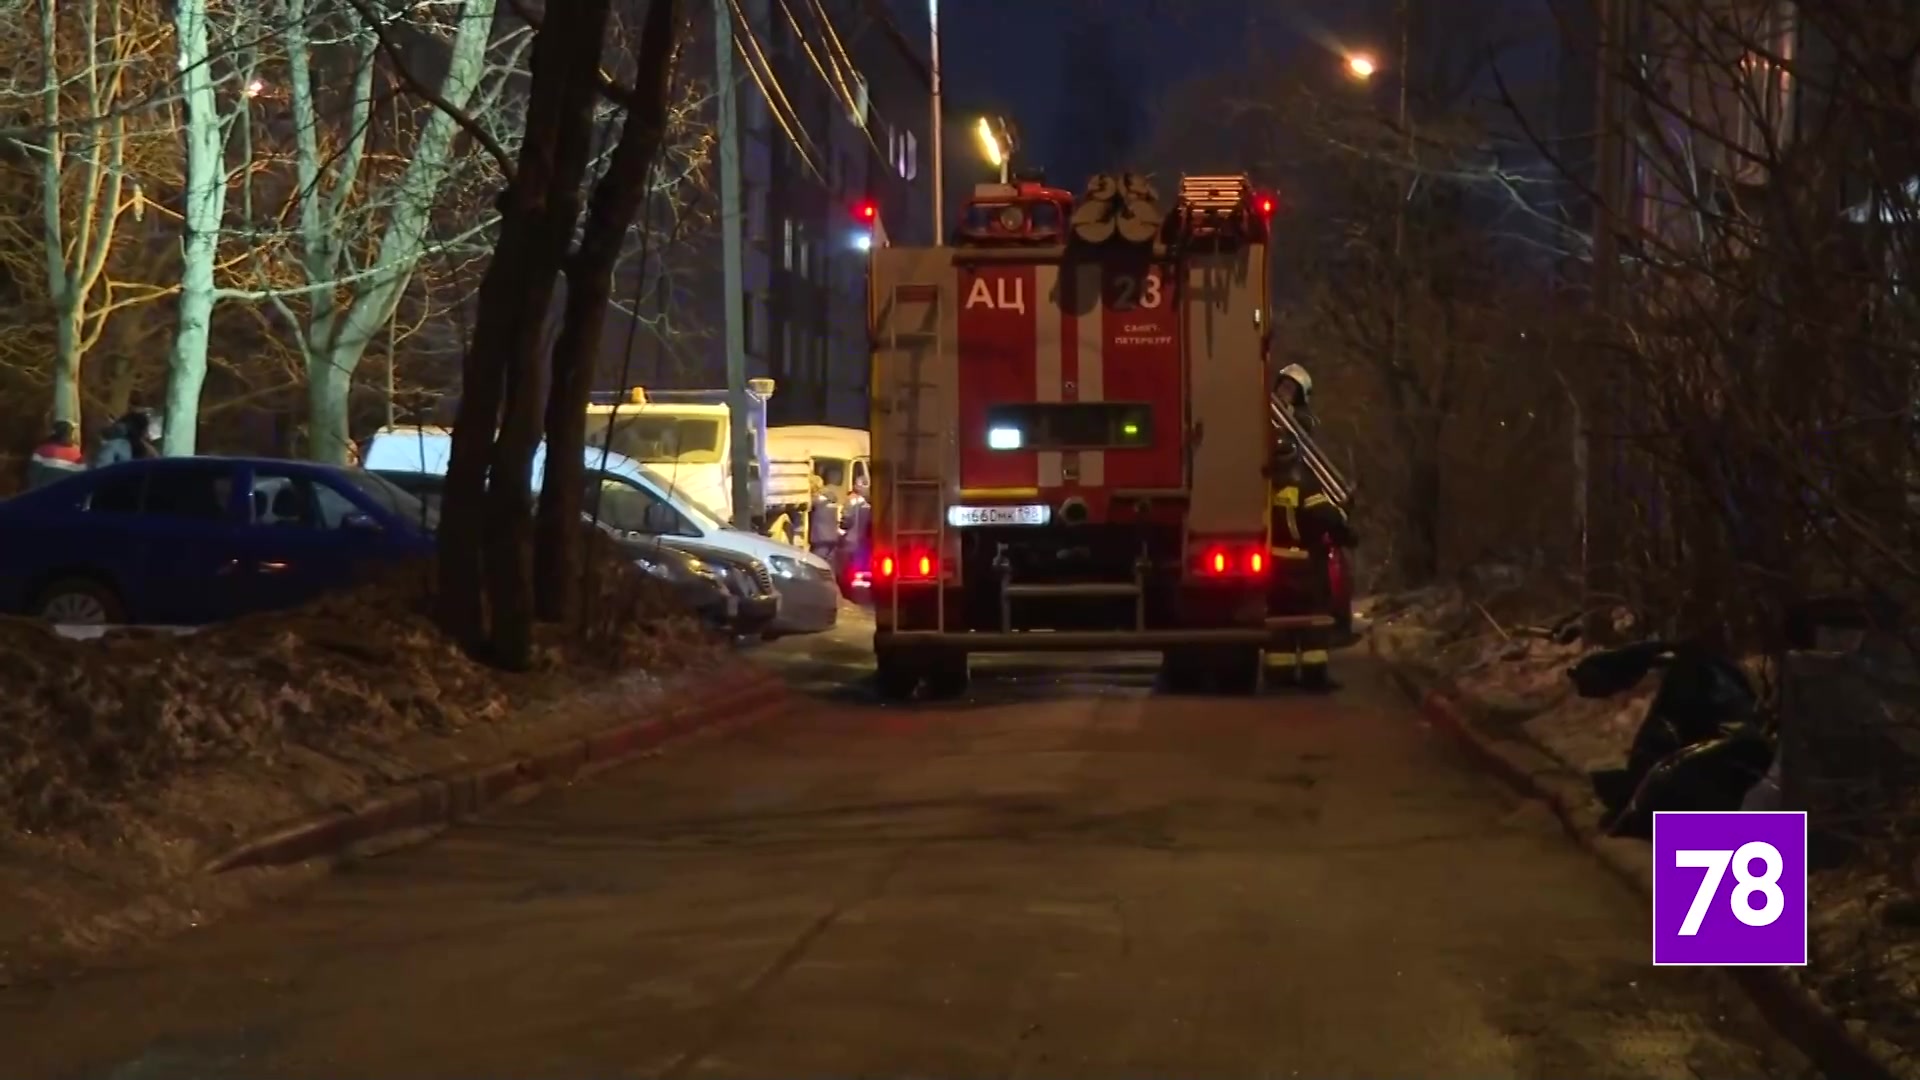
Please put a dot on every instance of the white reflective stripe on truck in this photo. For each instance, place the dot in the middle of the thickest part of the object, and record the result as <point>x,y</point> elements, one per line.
<point>1047,360</point>
<point>1090,348</point>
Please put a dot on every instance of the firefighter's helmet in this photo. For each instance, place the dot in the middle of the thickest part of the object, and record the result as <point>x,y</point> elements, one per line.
<point>1298,376</point>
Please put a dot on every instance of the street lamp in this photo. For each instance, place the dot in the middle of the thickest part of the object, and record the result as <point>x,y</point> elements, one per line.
<point>1361,66</point>
<point>997,142</point>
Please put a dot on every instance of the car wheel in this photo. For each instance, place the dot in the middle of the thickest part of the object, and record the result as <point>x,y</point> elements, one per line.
<point>80,602</point>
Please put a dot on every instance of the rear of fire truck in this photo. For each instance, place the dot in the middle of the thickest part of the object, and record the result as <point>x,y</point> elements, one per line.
<point>1071,438</point>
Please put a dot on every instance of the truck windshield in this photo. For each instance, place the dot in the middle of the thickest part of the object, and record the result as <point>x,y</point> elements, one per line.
<point>831,471</point>
<point>658,438</point>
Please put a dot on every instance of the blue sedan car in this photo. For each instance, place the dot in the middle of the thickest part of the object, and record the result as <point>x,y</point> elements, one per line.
<point>187,541</point>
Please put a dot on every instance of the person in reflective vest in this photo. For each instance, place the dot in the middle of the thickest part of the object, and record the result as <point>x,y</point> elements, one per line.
<point>1305,525</point>
<point>57,458</point>
<point>823,520</point>
<point>853,557</point>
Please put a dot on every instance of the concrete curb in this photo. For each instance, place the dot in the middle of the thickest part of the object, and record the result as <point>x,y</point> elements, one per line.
<point>1794,1012</point>
<point>443,799</point>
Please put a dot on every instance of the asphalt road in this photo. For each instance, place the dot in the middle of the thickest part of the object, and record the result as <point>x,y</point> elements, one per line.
<point>1065,875</point>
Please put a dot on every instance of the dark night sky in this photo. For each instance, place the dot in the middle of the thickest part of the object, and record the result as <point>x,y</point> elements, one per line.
<point>1009,50</point>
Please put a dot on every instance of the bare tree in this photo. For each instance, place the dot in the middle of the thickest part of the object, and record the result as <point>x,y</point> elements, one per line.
<point>617,198</point>
<point>486,558</point>
<point>359,232</point>
<point>76,68</point>
<point>217,77</point>
<point>1411,248</point>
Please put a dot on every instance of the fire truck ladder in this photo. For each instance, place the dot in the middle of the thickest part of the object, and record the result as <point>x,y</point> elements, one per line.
<point>918,485</point>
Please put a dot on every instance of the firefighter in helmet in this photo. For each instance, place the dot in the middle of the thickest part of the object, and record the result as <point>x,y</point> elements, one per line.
<point>1306,525</point>
<point>1293,389</point>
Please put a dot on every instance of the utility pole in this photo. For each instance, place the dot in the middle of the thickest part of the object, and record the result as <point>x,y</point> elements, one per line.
<point>939,139</point>
<point>732,220</point>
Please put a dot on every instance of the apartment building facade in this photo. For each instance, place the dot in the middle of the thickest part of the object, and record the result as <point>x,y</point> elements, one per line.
<point>834,107</point>
<point>857,133</point>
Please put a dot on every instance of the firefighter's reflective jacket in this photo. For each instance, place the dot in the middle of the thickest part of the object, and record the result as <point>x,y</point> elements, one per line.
<point>1305,522</point>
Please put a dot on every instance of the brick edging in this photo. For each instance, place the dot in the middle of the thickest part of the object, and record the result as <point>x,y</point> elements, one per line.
<point>1789,1008</point>
<point>437,800</point>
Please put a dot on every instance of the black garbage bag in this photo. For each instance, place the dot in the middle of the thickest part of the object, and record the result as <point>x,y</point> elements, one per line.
<point>1615,671</point>
<point>1713,774</point>
<point>1702,696</point>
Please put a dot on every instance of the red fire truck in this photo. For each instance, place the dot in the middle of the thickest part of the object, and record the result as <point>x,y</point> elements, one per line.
<point>1071,439</point>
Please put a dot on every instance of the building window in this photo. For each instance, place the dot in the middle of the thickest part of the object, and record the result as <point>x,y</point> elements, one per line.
<point>787,227</point>
<point>910,158</point>
<point>803,252</point>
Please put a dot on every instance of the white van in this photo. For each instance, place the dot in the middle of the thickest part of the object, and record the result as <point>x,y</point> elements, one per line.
<point>685,437</point>
<point>632,499</point>
<point>841,456</point>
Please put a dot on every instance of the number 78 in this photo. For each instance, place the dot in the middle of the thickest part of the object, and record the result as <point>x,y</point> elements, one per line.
<point>1715,862</point>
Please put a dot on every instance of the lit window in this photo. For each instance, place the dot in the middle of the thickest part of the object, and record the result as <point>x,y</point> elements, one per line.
<point>910,158</point>
<point>787,259</point>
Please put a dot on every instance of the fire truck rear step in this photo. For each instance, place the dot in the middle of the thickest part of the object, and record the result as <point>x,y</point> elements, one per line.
<point>981,641</point>
<point>1093,590</point>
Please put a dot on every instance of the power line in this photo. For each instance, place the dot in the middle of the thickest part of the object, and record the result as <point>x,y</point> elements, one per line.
<point>768,81</point>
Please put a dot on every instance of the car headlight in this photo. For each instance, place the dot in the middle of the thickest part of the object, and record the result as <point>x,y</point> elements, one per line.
<point>678,572</point>
<point>794,570</point>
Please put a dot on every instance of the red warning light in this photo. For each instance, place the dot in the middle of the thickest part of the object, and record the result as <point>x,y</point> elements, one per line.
<point>1265,205</point>
<point>867,211</point>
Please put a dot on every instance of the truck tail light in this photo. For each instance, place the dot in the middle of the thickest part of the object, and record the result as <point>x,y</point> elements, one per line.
<point>1231,561</point>
<point>912,565</point>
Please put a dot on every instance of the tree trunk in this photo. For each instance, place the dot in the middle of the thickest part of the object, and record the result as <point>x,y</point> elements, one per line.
<point>1422,560</point>
<point>617,199</point>
<point>486,527</point>
<point>206,206</point>
<point>407,234</point>
<point>66,366</point>
<point>329,394</point>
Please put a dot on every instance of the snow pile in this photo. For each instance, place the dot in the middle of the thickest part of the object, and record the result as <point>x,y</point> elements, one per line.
<point>87,723</point>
